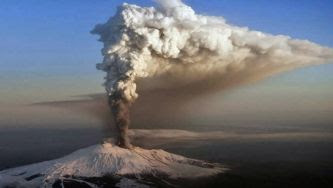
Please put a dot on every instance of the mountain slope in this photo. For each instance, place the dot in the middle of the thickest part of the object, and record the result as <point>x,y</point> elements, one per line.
<point>107,160</point>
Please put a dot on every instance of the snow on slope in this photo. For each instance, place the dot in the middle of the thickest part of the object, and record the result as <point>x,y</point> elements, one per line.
<point>108,159</point>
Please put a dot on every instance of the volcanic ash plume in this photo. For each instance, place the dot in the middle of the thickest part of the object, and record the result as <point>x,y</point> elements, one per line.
<point>174,43</point>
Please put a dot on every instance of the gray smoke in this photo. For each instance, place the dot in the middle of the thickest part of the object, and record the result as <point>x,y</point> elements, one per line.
<point>120,109</point>
<point>172,47</point>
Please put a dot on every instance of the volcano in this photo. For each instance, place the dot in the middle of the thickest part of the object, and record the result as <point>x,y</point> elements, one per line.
<point>107,165</point>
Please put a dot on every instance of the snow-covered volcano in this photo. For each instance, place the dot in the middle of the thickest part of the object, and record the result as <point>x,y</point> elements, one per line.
<point>123,167</point>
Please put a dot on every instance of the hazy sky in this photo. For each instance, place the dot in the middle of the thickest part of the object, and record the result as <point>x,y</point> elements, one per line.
<point>47,52</point>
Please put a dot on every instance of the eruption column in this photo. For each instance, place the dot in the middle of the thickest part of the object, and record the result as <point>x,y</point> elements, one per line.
<point>120,110</point>
<point>177,47</point>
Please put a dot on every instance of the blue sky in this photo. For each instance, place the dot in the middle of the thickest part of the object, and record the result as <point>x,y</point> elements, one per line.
<point>46,45</point>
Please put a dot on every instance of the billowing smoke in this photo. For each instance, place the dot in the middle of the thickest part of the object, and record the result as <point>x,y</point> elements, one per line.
<point>175,47</point>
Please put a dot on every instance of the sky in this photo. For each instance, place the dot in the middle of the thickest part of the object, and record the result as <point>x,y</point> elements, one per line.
<point>48,54</point>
